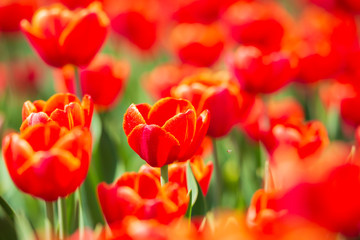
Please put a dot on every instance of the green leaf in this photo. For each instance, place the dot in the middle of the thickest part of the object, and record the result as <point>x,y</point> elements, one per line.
<point>7,209</point>
<point>189,209</point>
<point>191,184</point>
<point>7,229</point>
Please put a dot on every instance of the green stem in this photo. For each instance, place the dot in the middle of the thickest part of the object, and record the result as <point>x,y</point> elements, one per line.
<point>81,217</point>
<point>77,82</point>
<point>50,219</point>
<point>218,175</point>
<point>62,218</point>
<point>164,175</point>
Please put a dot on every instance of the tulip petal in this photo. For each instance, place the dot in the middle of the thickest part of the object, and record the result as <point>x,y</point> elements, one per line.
<point>59,101</point>
<point>87,26</point>
<point>42,137</point>
<point>153,144</point>
<point>135,115</point>
<point>182,127</point>
<point>202,126</point>
<point>166,108</point>
<point>88,107</point>
<point>148,186</point>
<point>34,118</point>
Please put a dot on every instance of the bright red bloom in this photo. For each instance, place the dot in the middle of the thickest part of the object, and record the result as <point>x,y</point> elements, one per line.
<point>63,108</point>
<point>46,160</point>
<point>217,92</point>
<point>58,34</point>
<point>258,24</point>
<point>197,44</point>
<point>351,6</point>
<point>308,138</point>
<point>167,132</point>
<point>141,195</point>
<point>332,202</point>
<point>137,21</point>
<point>159,82</point>
<point>13,11</point>
<point>325,42</point>
<point>261,118</point>
<point>177,172</point>
<point>103,80</point>
<point>262,73</point>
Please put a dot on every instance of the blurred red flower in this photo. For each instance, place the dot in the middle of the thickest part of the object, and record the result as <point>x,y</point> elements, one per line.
<point>197,44</point>
<point>141,195</point>
<point>13,11</point>
<point>57,34</point>
<point>177,172</point>
<point>169,131</point>
<point>104,80</point>
<point>63,108</point>
<point>262,73</point>
<point>46,160</point>
<point>219,93</point>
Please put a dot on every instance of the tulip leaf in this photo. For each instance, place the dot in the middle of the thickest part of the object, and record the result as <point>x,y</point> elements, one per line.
<point>200,206</point>
<point>189,209</point>
<point>7,229</point>
<point>191,184</point>
<point>7,209</point>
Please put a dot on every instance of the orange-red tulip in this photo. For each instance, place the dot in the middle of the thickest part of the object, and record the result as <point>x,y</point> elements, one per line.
<point>13,11</point>
<point>159,82</point>
<point>46,160</point>
<point>259,24</point>
<point>197,44</point>
<point>141,195</point>
<point>63,108</point>
<point>262,73</point>
<point>103,80</point>
<point>217,92</point>
<point>137,21</point>
<point>167,132</point>
<point>61,36</point>
<point>177,172</point>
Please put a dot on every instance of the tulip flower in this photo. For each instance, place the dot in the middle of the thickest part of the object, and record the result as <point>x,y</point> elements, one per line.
<point>59,35</point>
<point>137,21</point>
<point>167,132</point>
<point>48,161</point>
<point>158,82</point>
<point>177,172</point>
<point>63,108</point>
<point>103,80</point>
<point>13,11</point>
<point>309,138</point>
<point>197,44</point>
<point>141,195</point>
<point>259,24</point>
<point>219,93</point>
<point>261,73</point>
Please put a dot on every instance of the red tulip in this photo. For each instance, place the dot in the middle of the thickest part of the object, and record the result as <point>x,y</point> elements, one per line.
<point>167,132</point>
<point>259,24</point>
<point>13,11</point>
<point>217,92</point>
<point>177,172</point>
<point>59,35</point>
<point>197,44</point>
<point>46,160</point>
<point>308,139</point>
<point>262,73</point>
<point>141,195</point>
<point>159,82</point>
<point>137,21</point>
<point>332,202</point>
<point>63,108</point>
<point>104,80</point>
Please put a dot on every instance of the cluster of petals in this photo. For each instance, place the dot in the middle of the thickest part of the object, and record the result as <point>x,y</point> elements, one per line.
<point>141,195</point>
<point>170,130</point>
<point>57,33</point>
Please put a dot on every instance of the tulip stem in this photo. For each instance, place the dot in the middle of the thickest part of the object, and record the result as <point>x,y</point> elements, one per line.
<point>164,175</point>
<point>81,217</point>
<point>49,219</point>
<point>62,217</point>
<point>218,177</point>
<point>77,83</point>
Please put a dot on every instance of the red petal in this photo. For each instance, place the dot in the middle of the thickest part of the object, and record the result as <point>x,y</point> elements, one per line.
<point>148,186</point>
<point>59,101</point>
<point>33,119</point>
<point>167,108</point>
<point>42,137</point>
<point>88,107</point>
<point>134,116</point>
<point>153,144</point>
